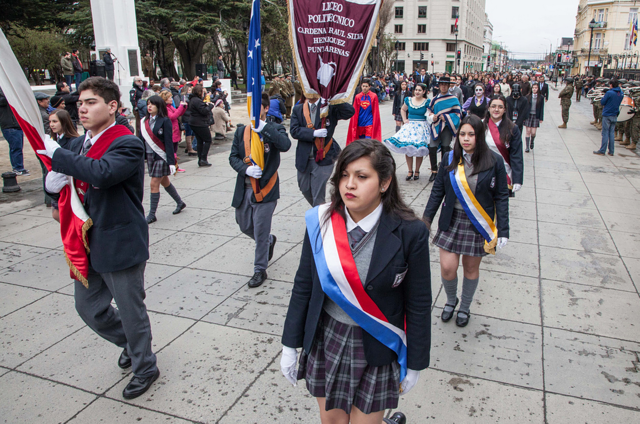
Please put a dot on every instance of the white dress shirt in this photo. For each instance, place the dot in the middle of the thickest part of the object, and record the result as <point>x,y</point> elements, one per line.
<point>367,223</point>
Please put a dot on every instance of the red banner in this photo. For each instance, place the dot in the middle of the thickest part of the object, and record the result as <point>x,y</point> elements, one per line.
<point>331,40</point>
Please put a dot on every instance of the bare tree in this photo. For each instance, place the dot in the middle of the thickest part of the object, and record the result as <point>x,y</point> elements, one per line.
<point>385,15</point>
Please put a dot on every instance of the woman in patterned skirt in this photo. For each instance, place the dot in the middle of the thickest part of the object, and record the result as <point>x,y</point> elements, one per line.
<point>486,178</point>
<point>413,138</point>
<point>156,131</point>
<point>354,373</point>
<point>536,115</point>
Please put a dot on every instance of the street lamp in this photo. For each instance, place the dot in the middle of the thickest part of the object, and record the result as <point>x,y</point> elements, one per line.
<point>593,24</point>
<point>397,48</point>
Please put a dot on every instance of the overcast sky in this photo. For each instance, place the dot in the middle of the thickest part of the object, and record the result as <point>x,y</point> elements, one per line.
<point>523,26</point>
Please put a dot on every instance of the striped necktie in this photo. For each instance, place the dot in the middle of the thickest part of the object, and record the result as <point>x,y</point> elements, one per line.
<point>355,236</point>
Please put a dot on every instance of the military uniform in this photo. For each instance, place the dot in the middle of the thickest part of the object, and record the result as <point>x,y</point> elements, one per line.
<point>634,123</point>
<point>297,87</point>
<point>565,101</point>
<point>578,86</point>
<point>289,100</point>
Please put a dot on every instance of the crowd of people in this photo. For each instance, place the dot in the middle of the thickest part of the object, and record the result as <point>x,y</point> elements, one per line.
<point>357,358</point>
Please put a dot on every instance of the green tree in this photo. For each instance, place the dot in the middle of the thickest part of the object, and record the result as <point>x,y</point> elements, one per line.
<point>38,50</point>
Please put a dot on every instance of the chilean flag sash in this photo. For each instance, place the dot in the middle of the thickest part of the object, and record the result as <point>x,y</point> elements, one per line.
<point>340,281</point>
<point>152,141</point>
<point>492,136</point>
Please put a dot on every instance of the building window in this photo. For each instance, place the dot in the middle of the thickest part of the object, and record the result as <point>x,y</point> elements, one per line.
<point>420,47</point>
<point>454,12</point>
<point>451,47</point>
<point>401,45</point>
<point>422,11</point>
<point>599,15</point>
<point>399,12</point>
<point>597,41</point>
<point>627,44</point>
<point>422,29</point>
<point>453,29</point>
<point>633,14</point>
<point>397,29</point>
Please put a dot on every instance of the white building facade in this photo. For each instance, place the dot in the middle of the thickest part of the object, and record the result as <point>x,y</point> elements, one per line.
<point>488,39</point>
<point>425,30</point>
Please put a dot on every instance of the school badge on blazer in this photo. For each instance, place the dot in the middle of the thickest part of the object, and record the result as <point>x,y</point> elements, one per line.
<point>399,278</point>
<point>493,182</point>
<point>160,131</point>
<point>267,148</point>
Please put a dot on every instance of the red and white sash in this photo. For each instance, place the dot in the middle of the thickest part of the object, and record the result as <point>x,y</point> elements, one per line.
<point>492,136</point>
<point>152,141</point>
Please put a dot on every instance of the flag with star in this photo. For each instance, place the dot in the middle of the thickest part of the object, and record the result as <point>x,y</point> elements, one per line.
<point>254,90</point>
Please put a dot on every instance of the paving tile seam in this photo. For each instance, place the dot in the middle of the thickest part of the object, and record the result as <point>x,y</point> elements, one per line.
<point>249,386</point>
<point>588,285</point>
<point>607,229</point>
<point>602,402</point>
<point>29,287</point>
<point>28,304</point>
<point>502,383</point>
<point>540,293</point>
<point>492,317</point>
<point>178,269</point>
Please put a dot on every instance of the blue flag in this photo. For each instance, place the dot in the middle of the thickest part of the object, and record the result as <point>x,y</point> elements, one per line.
<point>254,64</point>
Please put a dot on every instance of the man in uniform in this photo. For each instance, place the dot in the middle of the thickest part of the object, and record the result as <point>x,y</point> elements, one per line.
<point>107,164</point>
<point>578,86</point>
<point>565,101</point>
<point>634,123</point>
<point>621,127</point>
<point>291,92</point>
<point>147,66</point>
<point>297,87</point>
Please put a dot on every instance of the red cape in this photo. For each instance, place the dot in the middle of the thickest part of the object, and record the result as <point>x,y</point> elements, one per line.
<point>353,124</point>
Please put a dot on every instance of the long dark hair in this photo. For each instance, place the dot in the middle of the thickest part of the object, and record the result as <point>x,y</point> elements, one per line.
<point>160,104</point>
<point>67,124</point>
<point>424,89</point>
<point>540,98</point>
<point>482,158</point>
<point>384,165</point>
<point>506,126</point>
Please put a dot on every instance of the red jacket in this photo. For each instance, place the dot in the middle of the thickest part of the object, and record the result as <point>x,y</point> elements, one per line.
<point>174,114</point>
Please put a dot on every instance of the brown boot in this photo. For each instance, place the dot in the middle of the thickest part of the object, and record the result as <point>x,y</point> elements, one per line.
<point>626,141</point>
<point>599,126</point>
<point>618,136</point>
<point>593,122</point>
<point>564,125</point>
<point>631,146</point>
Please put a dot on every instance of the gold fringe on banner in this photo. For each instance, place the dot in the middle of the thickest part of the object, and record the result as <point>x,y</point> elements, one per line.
<point>76,273</point>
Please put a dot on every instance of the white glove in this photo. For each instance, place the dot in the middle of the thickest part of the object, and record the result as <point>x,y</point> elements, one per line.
<point>409,381</point>
<point>321,133</point>
<point>288,364</point>
<point>50,146</point>
<point>254,171</point>
<point>502,242</point>
<point>172,169</point>
<point>55,182</point>
<point>261,126</point>
<point>516,187</point>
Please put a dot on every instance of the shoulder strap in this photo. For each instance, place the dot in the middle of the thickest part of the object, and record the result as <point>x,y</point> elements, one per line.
<point>259,193</point>
<point>307,114</point>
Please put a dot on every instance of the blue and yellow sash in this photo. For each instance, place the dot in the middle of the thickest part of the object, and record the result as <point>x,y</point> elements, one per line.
<point>478,217</point>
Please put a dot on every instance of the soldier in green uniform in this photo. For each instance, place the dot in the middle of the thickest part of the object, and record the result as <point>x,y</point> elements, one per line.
<point>565,101</point>
<point>288,101</point>
<point>578,86</point>
<point>297,87</point>
<point>634,123</point>
<point>621,127</point>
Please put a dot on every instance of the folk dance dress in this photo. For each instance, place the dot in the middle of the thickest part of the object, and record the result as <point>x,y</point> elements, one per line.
<point>413,138</point>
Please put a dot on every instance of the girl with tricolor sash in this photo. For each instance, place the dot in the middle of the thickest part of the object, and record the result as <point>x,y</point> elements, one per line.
<point>474,220</point>
<point>361,300</point>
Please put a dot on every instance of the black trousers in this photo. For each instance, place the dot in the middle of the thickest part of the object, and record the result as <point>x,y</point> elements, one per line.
<point>203,140</point>
<point>109,75</point>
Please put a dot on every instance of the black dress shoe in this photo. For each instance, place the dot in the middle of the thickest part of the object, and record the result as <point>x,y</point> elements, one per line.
<point>151,219</point>
<point>257,279</point>
<point>272,245</point>
<point>137,386</point>
<point>397,418</point>
<point>410,176</point>
<point>446,316</point>
<point>462,320</point>
<point>433,176</point>
<point>192,154</point>
<point>416,175</point>
<point>124,361</point>
<point>179,208</point>
<point>203,163</point>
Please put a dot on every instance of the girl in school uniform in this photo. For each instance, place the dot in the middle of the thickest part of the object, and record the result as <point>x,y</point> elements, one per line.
<point>62,131</point>
<point>156,131</point>
<point>472,181</point>
<point>367,244</point>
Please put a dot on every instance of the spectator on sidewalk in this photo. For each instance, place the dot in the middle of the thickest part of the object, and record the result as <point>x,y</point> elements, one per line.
<point>67,68</point>
<point>220,66</point>
<point>70,100</point>
<point>611,108</point>
<point>12,132</point>
<point>108,64</point>
<point>77,67</point>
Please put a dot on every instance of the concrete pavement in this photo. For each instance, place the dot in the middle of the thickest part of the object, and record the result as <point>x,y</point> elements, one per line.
<point>553,336</point>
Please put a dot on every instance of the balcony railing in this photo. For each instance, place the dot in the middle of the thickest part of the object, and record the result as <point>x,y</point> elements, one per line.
<point>594,50</point>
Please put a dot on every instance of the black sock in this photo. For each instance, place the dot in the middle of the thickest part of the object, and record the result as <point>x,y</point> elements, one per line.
<point>533,137</point>
<point>526,140</point>
<point>173,193</point>
<point>153,204</point>
<point>433,157</point>
<point>397,128</point>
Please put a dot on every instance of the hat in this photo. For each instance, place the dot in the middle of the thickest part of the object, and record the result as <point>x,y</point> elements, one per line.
<point>627,85</point>
<point>599,80</point>
<point>635,83</point>
<point>56,100</point>
<point>40,95</point>
<point>622,81</point>
<point>444,80</point>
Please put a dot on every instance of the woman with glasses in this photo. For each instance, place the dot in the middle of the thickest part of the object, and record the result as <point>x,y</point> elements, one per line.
<point>504,138</point>
<point>476,105</point>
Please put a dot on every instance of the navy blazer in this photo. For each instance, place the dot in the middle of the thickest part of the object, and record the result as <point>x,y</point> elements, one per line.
<point>119,237</point>
<point>304,135</point>
<point>491,192</point>
<point>544,90</point>
<point>400,246</point>
<point>163,129</point>
<point>275,140</point>
<point>516,162</point>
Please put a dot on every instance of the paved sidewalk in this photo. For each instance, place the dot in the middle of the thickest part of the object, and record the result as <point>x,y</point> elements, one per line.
<point>553,338</point>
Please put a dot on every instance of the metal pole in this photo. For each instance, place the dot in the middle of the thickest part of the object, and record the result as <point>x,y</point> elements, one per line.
<point>589,55</point>
<point>456,54</point>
